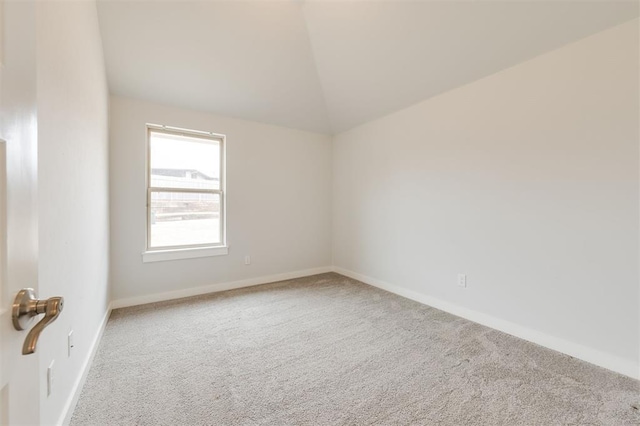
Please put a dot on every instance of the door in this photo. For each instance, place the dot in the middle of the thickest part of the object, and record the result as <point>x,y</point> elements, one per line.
<point>20,390</point>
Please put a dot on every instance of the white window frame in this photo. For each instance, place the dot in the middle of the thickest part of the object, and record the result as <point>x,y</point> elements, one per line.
<point>155,254</point>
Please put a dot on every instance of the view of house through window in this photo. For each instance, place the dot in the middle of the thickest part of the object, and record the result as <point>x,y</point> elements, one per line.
<point>185,195</point>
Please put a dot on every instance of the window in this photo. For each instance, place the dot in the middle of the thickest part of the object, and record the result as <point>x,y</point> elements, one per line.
<point>185,194</point>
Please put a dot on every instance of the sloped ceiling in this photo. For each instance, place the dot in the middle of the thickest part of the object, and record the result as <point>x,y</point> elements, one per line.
<point>327,66</point>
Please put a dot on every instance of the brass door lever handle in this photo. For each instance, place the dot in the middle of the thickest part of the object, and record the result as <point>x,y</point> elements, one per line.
<point>25,307</point>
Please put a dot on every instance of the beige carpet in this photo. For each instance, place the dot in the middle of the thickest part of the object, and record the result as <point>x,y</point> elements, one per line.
<point>328,350</point>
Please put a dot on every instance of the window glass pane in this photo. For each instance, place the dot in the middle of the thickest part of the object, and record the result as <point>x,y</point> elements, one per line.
<point>184,162</point>
<point>184,218</point>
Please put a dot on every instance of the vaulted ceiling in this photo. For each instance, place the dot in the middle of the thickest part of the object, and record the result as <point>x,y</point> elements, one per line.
<point>327,66</point>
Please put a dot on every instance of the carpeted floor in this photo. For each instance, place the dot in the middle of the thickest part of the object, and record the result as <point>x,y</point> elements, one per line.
<point>328,350</point>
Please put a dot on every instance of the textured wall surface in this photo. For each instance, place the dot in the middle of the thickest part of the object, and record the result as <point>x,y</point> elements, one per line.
<point>526,181</point>
<point>73,189</point>
<point>278,201</point>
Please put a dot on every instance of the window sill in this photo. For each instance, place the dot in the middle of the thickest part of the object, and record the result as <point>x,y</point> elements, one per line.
<point>186,253</point>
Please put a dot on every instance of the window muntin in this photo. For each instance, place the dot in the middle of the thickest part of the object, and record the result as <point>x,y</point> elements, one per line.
<point>185,197</point>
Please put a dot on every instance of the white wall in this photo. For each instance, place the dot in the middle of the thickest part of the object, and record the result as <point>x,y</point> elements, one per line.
<point>526,181</point>
<point>278,202</point>
<point>73,189</point>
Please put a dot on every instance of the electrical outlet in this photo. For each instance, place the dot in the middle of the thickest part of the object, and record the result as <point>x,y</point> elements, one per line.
<point>247,260</point>
<point>50,379</point>
<point>70,343</point>
<point>462,280</point>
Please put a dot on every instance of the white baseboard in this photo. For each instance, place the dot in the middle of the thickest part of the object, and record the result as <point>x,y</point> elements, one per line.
<point>593,356</point>
<point>213,288</point>
<point>70,405</point>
